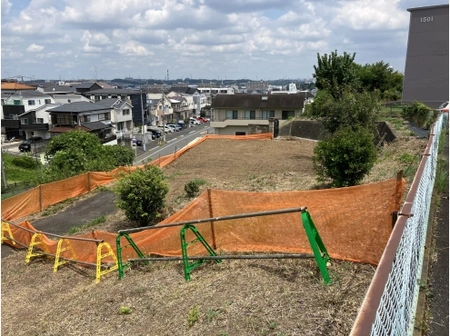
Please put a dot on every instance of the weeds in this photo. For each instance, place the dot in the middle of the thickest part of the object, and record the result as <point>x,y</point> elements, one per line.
<point>193,316</point>
<point>124,310</point>
<point>97,221</point>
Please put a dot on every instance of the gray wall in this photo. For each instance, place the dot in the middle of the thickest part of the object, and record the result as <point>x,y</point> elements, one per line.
<point>427,61</point>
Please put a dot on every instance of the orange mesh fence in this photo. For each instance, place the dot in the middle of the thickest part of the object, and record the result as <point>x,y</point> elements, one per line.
<point>39,198</point>
<point>354,224</point>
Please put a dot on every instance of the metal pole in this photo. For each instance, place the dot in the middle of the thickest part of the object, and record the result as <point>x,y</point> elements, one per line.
<point>143,124</point>
<point>237,256</point>
<point>207,220</point>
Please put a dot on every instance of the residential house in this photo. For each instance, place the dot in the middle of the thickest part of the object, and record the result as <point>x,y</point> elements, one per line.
<point>211,92</point>
<point>14,86</point>
<point>182,105</point>
<point>29,99</point>
<point>135,98</point>
<point>91,117</point>
<point>85,87</point>
<point>161,107</point>
<point>242,114</point>
<point>121,118</point>
<point>17,122</point>
<point>36,122</point>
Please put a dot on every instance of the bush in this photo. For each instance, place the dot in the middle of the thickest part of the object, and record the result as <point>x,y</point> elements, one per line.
<point>142,195</point>
<point>192,188</point>
<point>25,162</point>
<point>418,113</point>
<point>345,157</point>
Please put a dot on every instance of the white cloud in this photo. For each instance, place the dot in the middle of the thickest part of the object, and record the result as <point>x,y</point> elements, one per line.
<point>6,5</point>
<point>133,48</point>
<point>35,48</point>
<point>238,37</point>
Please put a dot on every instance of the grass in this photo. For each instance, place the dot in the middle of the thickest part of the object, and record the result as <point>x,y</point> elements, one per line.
<point>18,174</point>
<point>95,222</point>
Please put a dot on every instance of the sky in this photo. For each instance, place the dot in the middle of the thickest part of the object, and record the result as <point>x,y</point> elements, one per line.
<point>209,39</point>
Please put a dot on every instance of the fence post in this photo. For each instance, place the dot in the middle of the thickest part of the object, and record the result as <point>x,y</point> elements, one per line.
<point>213,233</point>
<point>40,197</point>
<point>89,181</point>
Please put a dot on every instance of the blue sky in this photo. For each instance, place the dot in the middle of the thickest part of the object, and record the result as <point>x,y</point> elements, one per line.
<point>212,39</point>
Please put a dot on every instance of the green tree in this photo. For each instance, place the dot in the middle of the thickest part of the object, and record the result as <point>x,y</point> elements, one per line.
<point>76,152</point>
<point>142,195</point>
<point>379,77</point>
<point>336,73</point>
<point>353,109</point>
<point>345,156</point>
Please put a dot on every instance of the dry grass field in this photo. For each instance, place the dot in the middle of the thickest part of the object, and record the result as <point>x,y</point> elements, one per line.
<point>251,297</point>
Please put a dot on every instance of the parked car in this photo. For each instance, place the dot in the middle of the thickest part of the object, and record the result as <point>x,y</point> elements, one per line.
<point>156,133</point>
<point>176,127</point>
<point>202,119</point>
<point>26,145</point>
<point>166,129</point>
<point>194,122</point>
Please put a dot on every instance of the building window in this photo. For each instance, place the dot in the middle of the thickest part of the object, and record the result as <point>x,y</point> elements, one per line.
<point>87,118</point>
<point>39,120</point>
<point>232,114</point>
<point>69,101</point>
<point>101,116</point>
<point>239,133</point>
<point>17,102</point>
<point>268,114</point>
<point>126,112</point>
<point>249,114</point>
<point>14,116</point>
<point>31,102</point>
<point>287,114</point>
<point>24,121</point>
<point>48,101</point>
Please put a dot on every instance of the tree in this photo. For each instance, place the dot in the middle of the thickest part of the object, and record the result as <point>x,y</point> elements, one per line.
<point>76,152</point>
<point>381,78</point>
<point>142,195</point>
<point>335,73</point>
<point>352,109</point>
<point>345,156</point>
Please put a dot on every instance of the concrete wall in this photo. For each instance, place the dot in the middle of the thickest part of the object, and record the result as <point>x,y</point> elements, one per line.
<point>427,61</point>
<point>314,130</point>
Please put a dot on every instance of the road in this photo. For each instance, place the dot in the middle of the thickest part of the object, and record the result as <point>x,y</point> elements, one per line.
<point>174,142</point>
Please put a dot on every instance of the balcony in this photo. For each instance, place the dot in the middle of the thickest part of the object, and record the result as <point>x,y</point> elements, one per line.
<point>238,122</point>
<point>35,127</point>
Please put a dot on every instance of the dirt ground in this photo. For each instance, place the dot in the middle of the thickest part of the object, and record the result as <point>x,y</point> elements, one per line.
<point>254,297</point>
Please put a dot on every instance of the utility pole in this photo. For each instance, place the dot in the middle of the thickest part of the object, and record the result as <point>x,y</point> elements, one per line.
<point>143,123</point>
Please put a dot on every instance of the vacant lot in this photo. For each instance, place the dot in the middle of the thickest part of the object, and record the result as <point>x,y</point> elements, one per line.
<point>271,297</point>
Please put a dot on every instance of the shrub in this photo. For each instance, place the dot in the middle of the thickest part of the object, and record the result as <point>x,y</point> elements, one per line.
<point>418,113</point>
<point>25,162</point>
<point>192,188</point>
<point>142,195</point>
<point>345,156</point>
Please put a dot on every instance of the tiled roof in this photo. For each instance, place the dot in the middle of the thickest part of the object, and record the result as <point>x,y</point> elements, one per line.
<point>78,107</point>
<point>95,125</point>
<point>112,91</point>
<point>31,94</point>
<point>16,86</point>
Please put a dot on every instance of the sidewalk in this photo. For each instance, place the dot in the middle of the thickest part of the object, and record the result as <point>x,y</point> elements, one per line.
<point>439,279</point>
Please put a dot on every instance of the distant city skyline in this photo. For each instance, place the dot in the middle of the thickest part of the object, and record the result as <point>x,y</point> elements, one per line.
<point>214,39</point>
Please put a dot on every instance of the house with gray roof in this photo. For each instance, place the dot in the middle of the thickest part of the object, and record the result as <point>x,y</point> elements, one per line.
<point>137,99</point>
<point>101,118</point>
<point>243,114</point>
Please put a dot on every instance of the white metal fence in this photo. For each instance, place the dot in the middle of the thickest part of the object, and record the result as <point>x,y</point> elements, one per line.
<point>390,304</point>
